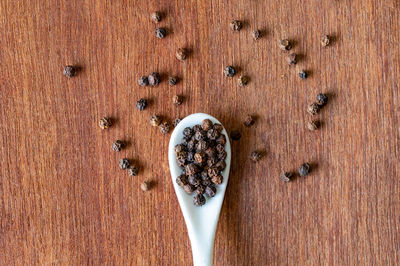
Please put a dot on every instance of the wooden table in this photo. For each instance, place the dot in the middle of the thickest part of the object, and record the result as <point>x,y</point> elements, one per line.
<point>63,198</point>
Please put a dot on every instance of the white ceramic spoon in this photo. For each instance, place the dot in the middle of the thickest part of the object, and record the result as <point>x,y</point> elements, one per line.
<point>201,222</point>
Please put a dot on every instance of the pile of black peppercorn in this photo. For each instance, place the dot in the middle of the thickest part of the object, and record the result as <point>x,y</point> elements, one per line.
<point>202,157</point>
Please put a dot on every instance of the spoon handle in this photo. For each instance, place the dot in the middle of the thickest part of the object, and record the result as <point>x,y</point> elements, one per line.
<point>202,251</point>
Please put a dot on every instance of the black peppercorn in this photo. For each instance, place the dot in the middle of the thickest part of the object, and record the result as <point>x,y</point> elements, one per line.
<point>242,81</point>
<point>146,185</point>
<point>182,155</point>
<point>292,59</point>
<point>105,123</point>
<point>176,121</point>
<point>325,40</point>
<point>155,17</point>
<point>322,99</point>
<point>191,145</point>
<point>211,152</point>
<point>221,165</point>
<point>143,81</point>
<point>194,180</point>
<point>182,180</point>
<point>211,161</point>
<point>212,134</point>
<point>177,100</point>
<point>218,127</point>
<point>199,157</point>
<point>179,148</point>
<point>160,33</point>
<point>141,104</point>
<point>235,134</point>
<point>181,54</point>
<point>249,121</point>
<point>199,200</point>
<point>154,79</point>
<point>155,120</point>
<point>188,188</point>
<point>173,80</point>
<point>164,128</point>
<point>256,34</point>
<point>210,191</point>
<point>220,148</point>
<point>304,169</point>
<point>202,145</point>
<point>286,177</point>
<point>124,163</point>
<point>188,132</point>
<point>313,108</point>
<point>118,145</point>
<point>212,171</point>
<point>69,71</point>
<point>133,170</point>
<point>221,140</point>
<point>200,189</point>
<point>206,124</point>
<point>222,155</point>
<point>191,169</point>
<point>313,125</point>
<point>255,156</point>
<point>285,45</point>
<point>303,74</point>
<point>229,71</point>
<point>217,179</point>
<point>236,25</point>
<point>190,157</point>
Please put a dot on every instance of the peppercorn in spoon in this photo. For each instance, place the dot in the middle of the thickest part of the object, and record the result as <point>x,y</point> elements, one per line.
<point>201,221</point>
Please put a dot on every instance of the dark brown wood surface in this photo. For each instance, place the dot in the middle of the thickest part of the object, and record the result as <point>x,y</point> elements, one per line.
<point>63,198</point>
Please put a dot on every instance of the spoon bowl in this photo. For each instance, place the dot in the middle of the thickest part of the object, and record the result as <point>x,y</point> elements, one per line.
<point>201,222</point>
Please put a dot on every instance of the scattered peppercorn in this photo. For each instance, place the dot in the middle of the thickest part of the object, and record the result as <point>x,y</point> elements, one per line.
<point>322,99</point>
<point>143,81</point>
<point>69,71</point>
<point>235,134</point>
<point>255,156</point>
<point>105,123</point>
<point>256,34</point>
<point>229,71</point>
<point>249,121</point>
<point>154,79</point>
<point>292,59</point>
<point>164,128</point>
<point>155,17</point>
<point>141,104</point>
<point>146,185</point>
<point>313,125</point>
<point>160,33</point>
<point>173,80</point>
<point>303,74</point>
<point>313,108</point>
<point>325,41</point>
<point>118,145</point>
<point>133,170</point>
<point>304,169</point>
<point>177,100</point>
<point>155,120</point>
<point>243,80</point>
<point>176,121</point>
<point>124,163</point>
<point>285,45</point>
<point>181,54</point>
<point>287,177</point>
<point>236,25</point>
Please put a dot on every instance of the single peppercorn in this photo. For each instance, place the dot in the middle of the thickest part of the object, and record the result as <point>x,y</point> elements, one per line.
<point>105,123</point>
<point>322,99</point>
<point>124,163</point>
<point>177,100</point>
<point>181,54</point>
<point>256,34</point>
<point>255,156</point>
<point>285,45</point>
<point>143,81</point>
<point>197,128</point>
<point>200,157</point>
<point>206,124</point>
<point>221,165</point>
<point>218,127</point>
<point>182,180</point>
<point>303,74</point>
<point>188,132</point>
<point>222,155</point>
<point>155,120</point>
<point>212,171</point>
<point>229,71</point>
<point>200,189</point>
<point>160,33</point>
<point>154,79</point>
<point>191,169</point>
<point>202,145</point>
<point>286,177</point>
<point>164,128</point>
<point>191,145</point>
<point>313,125</point>
<point>235,134</point>
<point>176,121</point>
<point>69,71</point>
<point>200,135</point>
<point>182,155</point>
<point>212,134</point>
<point>236,25</point>
<point>155,17</point>
<point>188,188</point>
<point>325,41</point>
<point>292,59</point>
<point>243,80</point>
<point>141,104</point>
<point>173,80</point>
<point>118,145</point>
<point>133,170</point>
<point>146,185</point>
<point>199,200</point>
<point>313,108</point>
<point>221,140</point>
<point>304,169</point>
<point>179,148</point>
<point>249,121</point>
<point>220,148</point>
<point>194,180</point>
<point>217,179</point>
<point>211,191</point>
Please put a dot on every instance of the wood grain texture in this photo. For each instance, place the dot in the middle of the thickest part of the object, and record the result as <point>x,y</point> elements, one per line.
<point>63,199</point>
